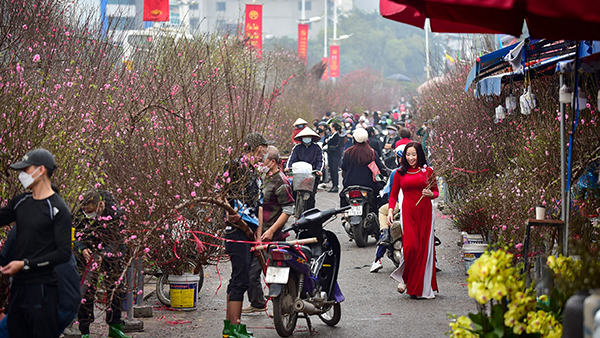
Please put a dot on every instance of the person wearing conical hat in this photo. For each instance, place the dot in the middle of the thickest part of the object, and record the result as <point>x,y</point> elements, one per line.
<point>308,150</point>
<point>299,125</point>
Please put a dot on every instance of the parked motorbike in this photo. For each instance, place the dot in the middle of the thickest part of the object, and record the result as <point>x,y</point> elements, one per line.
<point>302,279</point>
<point>303,182</point>
<point>361,220</point>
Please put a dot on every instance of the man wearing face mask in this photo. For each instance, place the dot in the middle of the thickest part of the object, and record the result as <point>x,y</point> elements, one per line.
<point>43,241</point>
<point>278,205</point>
<point>299,125</point>
<point>99,239</point>
<point>243,193</point>
<point>311,152</point>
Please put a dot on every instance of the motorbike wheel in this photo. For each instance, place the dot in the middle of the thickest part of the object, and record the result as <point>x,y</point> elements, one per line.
<point>163,288</point>
<point>332,316</point>
<point>361,235</point>
<point>395,252</point>
<point>300,204</point>
<point>284,315</point>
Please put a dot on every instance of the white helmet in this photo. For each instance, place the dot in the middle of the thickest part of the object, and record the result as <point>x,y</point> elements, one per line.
<point>360,135</point>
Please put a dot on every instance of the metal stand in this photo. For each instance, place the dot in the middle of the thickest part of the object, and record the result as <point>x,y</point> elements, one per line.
<point>560,225</point>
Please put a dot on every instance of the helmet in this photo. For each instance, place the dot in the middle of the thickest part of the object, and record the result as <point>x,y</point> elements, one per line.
<point>360,135</point>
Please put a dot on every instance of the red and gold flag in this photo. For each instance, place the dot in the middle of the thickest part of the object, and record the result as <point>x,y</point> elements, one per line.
<point>325,76</point>
<point>334,61</point>
<point>302,41</point>
<point>253,26</point>
<point>156,10</point>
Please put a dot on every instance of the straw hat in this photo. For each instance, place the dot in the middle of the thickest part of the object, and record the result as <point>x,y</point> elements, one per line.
<point>307,132</point>
<point>299,122</point>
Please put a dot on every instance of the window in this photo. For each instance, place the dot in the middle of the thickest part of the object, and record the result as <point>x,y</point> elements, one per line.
<point>194,7</point>
<point>221,6</point>
<point>307,5</point>
<point>121,22</point>
<point>121,2</point>
<point>194,23</point>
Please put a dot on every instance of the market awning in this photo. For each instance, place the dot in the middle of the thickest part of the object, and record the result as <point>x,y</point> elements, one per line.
<point>492,85</point>
<point>533,52</point>
<point>551,19</point>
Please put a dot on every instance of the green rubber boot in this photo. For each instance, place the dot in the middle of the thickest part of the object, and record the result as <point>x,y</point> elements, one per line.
<point>85,336</point>
<point>239,331</point>
<point>226,328</point>
<point>116,331</point>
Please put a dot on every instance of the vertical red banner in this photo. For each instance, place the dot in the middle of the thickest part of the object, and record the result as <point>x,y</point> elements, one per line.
<point>334,61</point>
<point>302,41</point>
<point>156,10</point>
<point>253,26</point>
<point>325,76</point>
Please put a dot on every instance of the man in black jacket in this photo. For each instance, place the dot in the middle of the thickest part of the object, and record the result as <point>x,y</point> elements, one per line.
<point>374,141</point>
<point>335,149</point>
<point>43,241</point>
<point>99,243</point>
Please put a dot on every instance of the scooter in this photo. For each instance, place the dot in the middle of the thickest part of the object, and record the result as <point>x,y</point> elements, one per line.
<point>302,279</point>
<point>360,221</point>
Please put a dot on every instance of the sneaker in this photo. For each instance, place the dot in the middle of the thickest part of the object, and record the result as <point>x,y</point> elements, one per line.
<point>402,288</point>
<point>252,309</point>
<point>376,266</point>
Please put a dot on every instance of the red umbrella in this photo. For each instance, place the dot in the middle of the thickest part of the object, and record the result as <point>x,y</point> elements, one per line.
<point>552,19</point>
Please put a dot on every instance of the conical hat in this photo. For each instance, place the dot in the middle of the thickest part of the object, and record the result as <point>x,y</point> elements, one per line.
<point>300,121</point>
<point>307,132</point>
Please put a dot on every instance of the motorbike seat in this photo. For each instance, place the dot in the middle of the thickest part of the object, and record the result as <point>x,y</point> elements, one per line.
<point>306,251</point>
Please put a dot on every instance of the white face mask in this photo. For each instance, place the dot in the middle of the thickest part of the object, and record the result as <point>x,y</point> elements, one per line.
<point>26,179</point>
<point>307,140</point>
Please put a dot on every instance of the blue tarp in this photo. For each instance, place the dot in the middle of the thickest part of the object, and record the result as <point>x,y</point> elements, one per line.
<point>492,85</point>
<point>536,49</point>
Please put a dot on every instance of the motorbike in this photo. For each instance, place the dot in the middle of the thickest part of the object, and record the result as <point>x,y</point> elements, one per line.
<point>302,279</point>
<point>361,220</point>
<point>394,249</point>
<point>303,181</point>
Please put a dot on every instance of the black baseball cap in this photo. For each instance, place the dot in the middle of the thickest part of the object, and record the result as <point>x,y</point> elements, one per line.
<point>254,140</point>
<point>37,157</point>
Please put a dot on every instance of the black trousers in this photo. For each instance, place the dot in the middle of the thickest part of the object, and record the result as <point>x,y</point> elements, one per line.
<point>113,270</point>
<point>334,167</point>
<point>241,259</point>
<point>33,311</point>
<point>256,295</point>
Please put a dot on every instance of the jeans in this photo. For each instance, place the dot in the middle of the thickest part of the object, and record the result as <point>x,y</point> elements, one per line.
<point>65,317</point>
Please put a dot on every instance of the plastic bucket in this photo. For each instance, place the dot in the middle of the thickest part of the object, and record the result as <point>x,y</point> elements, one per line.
<point>184,291</point>
<point>472,252</point>
<point>472,238</point>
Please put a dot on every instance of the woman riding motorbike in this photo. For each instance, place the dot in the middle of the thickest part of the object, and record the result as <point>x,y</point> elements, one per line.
<point>355,167</point>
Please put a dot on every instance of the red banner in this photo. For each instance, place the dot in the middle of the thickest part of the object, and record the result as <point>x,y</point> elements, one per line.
<point>334,61</point>
<point>302,41</point>
<point>156,10</point>
<point>253,26</point>
<point>325,76</point>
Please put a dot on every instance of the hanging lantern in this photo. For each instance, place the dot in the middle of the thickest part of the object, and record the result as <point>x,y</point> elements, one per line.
<point>581,99</point>
<point>511,103</point>
<point>528,102</point>
<point>564,94</point>
<point>500,114</point>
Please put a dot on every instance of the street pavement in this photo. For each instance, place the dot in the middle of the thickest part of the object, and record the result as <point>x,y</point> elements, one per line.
<point>373,307</point>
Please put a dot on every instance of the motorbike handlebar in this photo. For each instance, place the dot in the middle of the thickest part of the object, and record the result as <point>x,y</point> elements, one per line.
<point>315,216</point>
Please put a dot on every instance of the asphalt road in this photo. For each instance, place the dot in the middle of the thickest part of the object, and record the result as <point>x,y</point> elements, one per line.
<point>373,307</point>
